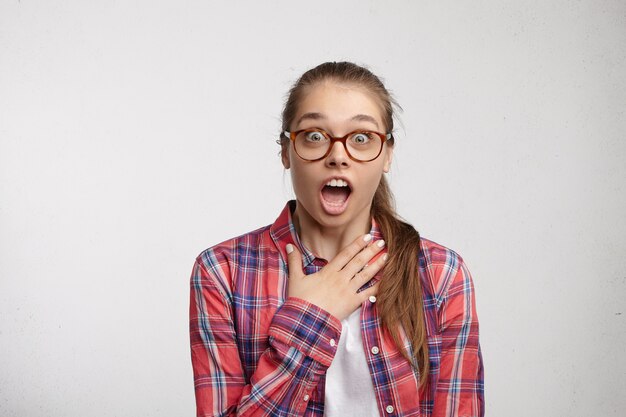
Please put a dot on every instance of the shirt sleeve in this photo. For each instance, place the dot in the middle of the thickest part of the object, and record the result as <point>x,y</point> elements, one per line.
<point>298,355</point>
<point>460,388</point>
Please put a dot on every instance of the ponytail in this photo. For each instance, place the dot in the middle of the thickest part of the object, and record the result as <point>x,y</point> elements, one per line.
<point>400,297</point>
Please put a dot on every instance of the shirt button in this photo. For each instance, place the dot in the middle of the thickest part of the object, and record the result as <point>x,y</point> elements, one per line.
<point>372,299</point>
<point>375,351</point>
<point>332,342</point>
<point>306,397</point>
<point>389,409</point>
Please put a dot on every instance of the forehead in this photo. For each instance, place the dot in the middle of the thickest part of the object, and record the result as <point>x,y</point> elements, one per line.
<point>339,103</point>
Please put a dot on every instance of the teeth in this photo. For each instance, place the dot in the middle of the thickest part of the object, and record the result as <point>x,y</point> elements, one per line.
<point>337,183</point>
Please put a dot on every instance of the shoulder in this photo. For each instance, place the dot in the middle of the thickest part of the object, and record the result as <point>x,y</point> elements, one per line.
<point>215,265</point>
<point>443,270</point>
<point>231,249</point>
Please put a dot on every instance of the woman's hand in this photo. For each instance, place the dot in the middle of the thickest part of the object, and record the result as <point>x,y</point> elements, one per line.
<point>334,288</point>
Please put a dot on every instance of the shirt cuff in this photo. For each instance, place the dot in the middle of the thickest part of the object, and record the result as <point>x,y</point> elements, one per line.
<point>307,328</point>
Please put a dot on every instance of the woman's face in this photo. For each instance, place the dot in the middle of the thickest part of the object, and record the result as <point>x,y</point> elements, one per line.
<point>338,109</point>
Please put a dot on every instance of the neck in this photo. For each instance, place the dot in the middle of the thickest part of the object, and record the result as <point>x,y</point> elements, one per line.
<point>326,241</point>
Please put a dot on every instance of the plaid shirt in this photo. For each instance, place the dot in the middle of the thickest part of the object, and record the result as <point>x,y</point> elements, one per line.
<point>257,353</point>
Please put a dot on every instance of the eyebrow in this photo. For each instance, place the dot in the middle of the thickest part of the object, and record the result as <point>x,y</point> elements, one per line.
<point>320,116</point>
<point>365,118</point>
<point>311,116</point>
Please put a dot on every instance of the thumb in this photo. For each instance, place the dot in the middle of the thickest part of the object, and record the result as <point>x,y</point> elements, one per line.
<point>294,261</point>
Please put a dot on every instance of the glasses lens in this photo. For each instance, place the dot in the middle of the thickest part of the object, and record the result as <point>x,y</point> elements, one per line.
<point>364,146</point>
<point>361,145</point>
<point>312,144</point>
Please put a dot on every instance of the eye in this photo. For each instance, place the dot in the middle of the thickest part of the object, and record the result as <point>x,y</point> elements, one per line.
<point>361,138</point>
<point>314,136</point>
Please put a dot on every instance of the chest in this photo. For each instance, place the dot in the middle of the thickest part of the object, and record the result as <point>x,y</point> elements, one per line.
<point>259,288</point>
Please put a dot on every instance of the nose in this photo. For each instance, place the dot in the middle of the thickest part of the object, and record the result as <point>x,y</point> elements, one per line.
<point>337,156</point>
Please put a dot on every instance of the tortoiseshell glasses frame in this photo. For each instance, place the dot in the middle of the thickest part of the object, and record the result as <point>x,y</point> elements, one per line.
<point>369,153</point>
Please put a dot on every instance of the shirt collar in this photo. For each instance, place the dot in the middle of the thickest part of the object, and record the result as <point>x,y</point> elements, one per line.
<point>283,232</point>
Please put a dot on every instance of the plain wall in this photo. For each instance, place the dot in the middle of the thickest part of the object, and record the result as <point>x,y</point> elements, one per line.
<point>133,135</point>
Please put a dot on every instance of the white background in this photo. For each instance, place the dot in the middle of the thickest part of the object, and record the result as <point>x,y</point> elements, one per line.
<point>134,134</point>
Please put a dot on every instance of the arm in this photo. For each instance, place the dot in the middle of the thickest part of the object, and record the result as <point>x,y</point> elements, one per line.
<point>459,391</point>
<point>298,353</point>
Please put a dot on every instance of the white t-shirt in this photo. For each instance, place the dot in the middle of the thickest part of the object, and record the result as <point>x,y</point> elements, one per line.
<point>349,389</point>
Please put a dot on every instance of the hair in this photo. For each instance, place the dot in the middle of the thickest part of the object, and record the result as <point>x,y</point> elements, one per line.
<point>400,297</point>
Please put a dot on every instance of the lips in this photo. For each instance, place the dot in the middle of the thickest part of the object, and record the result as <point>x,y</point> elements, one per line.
<point>334,195</point>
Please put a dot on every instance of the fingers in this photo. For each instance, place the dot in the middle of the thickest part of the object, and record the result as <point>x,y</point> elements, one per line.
<point>349,252</point>
<point>294,261</point>
<point>363,258</point>
<point>367,273</point>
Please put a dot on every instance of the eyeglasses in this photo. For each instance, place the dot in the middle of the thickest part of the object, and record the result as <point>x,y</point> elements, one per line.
<point>360,145</point>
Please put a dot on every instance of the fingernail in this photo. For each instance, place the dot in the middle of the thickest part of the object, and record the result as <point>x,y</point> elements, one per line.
<point>367,237</point>
<point>289,248</point>
<point>385,257</point>
<point>380,243</point>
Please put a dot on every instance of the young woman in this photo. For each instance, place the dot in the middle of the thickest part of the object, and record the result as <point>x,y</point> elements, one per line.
<point>338,308</point>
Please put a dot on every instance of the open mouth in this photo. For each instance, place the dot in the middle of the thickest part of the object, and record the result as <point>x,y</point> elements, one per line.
<point>335,195</point>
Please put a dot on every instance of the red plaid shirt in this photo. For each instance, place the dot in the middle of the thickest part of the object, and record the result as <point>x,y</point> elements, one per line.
<point>257,353</point>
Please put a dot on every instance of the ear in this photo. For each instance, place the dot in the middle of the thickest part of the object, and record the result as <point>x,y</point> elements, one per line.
<point>388,158</point>
<point>284,156</point>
